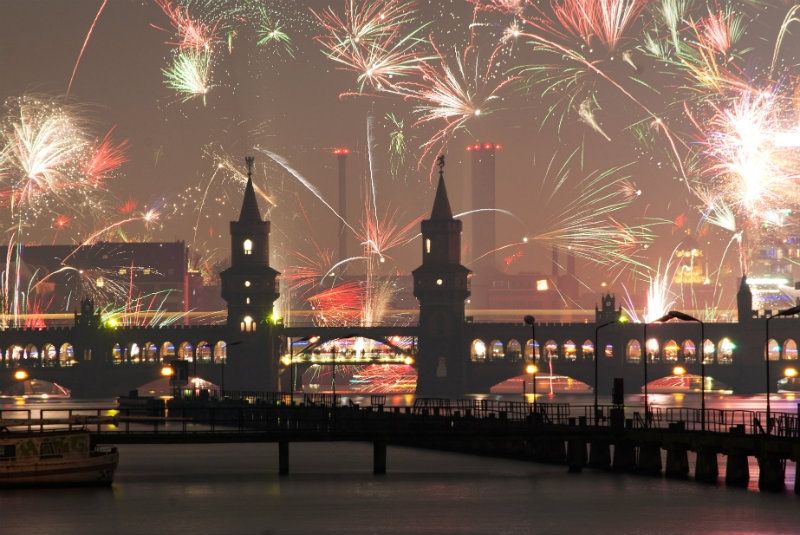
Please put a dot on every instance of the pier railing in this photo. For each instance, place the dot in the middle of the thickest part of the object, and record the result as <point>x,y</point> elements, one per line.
<point>276,412</point>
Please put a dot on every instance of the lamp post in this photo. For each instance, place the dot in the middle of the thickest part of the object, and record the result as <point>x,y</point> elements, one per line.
<point>530,320</point>
<point>532,370</point>
<point>787,312</point>
<point>675,314</point>
<point>597,359</point>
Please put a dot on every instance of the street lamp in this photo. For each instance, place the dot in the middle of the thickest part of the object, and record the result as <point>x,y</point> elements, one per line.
<point>787,312</point>
<point>532,370</point>
<point>20,375</point>
<point>621,319</point>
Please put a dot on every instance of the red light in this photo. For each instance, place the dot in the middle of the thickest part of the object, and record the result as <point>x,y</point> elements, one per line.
<point>341,151</point>
<point>487,146</point>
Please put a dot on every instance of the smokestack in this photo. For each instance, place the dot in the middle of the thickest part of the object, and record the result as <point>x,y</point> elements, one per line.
<point>341,157</point>
<point>483,197</point>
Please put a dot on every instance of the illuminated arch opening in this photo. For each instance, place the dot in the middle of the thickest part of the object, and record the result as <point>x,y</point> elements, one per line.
<point>167,350</point>
<point>32,354</point>
<point>116,354</point>
<point>671,350</point>
<point>150,352</point>
<point>633,351</point>
<point>790,350</point>
<point>689,351</point>
<point>587,350</point>
<point>49,355</point>
<point>496,348</point>
<point>203,352</point>
<point>774,349</point>
<point>726,347</point>
<point>514,350</point>
<point>709,351</point>
<point>653,354</point>
<point>478,351</point>
<point>551,350</point>
<point>570,350</point>
<point>66,354</point>
<point>186,351</point>
<point>532,350</point>
<point>247,246</point>
<point>220,352</point>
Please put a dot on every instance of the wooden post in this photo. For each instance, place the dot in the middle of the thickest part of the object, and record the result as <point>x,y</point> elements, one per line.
<point>379,457</point>
<point>283,457</point>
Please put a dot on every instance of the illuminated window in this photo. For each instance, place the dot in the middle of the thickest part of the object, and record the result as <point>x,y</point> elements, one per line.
<point>248,246</point>
<point>248,325</point>
<point>427,245</point>
<point>439,282</point>
<point>247,301</point>
<point>146,271</point>
<point>542,286</point>
<point>246,284</point>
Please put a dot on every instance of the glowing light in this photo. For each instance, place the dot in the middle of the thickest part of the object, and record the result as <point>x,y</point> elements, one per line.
<point>678,370</point>
<point>790,372</point>
<point>20,375</point>
<point>531,369</point>
<point>167,371</point>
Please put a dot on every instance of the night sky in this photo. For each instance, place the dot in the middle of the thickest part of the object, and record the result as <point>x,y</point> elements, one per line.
<point>301,104</point>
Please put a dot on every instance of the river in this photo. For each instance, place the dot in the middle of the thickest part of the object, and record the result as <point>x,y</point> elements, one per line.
<point>214,489</point>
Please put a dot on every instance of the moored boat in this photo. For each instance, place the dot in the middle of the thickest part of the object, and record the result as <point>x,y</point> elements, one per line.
<point>50,458</point>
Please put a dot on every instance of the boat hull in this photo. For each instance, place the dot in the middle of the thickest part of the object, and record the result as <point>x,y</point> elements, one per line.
<point>97,470</point>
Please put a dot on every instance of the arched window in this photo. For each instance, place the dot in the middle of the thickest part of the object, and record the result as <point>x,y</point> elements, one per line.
<point>66,354</point>
<point>478,351</point>
<point>203,352</point>
<point>116,354</point>
<point>220,352</point>
<point>150,352</point>
<point>609,351</point>
<point>633,351</point>
<point>496,348</point>
<point>550,350</point>
<point>247,324</point>
<point>587,350</point>
<point>708,351</point>
<point>689,351</point>
<point>167,350</point>
<point>671,350</point>
<point>652,350</point>
<point>247,246</point>
<point>790,350</point>
<point>514,351</point>
<point>186,351</point>
<point>774,349</point>
<point>570,351</point>
<point>726,348</point>
<point>532,350</point>
<point>50,355</point>
<point>15,354</point>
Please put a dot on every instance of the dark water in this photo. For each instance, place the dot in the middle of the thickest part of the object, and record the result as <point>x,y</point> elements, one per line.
<point>209,489</point>
<point>233,489</point>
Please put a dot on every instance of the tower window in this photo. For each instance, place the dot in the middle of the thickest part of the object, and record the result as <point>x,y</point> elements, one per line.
<point>439,282</point>
<point>427,245</point>
<point>246,284</point>
<point>246,300</point>
<point>248,325</point>
<point>247,245</point>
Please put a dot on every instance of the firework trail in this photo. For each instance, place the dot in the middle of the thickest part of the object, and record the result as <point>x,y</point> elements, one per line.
<point>190,73</point>
<point>85,43</point>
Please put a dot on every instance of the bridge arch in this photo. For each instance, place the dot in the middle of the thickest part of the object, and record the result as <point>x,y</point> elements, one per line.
<point>134,353</point>
<point>671,350</point>
<point>514,350</point>
<point>186,351</point>
<point>532,350</point>
<point>32,354</point>
<point>570,350</point>
<point>550,350</point>
<point>633,351</point>
<point>653,350</point>
<point>689,351</point>
<point>203,351</point>
<point>587,350</point>
<point>496,351</point>
<point>725,354</point>
<point>150,352</point>
<point>709,351</point>
<point>774,349</point>
<point>789,349</point>
<point>116,354</point>
<point>220,352</point>
<point>478,350</point>
<point>49,355</point>
<point>66,354</point>
<point>167,350</point>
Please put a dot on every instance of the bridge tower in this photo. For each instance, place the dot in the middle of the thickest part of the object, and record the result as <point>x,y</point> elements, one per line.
<point>249,287</point>
<point>744,301</point>
<point>441,285</point>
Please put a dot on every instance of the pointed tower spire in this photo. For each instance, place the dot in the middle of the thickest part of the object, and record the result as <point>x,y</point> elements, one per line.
<point>441,204</point>
<point>250,211</point>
